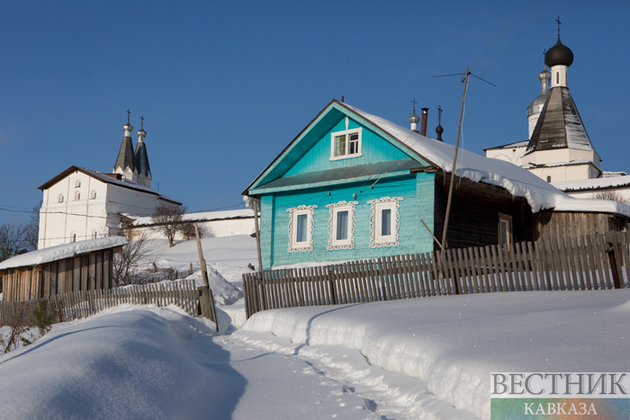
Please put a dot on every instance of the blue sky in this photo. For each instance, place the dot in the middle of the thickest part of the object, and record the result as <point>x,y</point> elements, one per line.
<point>225,86</point>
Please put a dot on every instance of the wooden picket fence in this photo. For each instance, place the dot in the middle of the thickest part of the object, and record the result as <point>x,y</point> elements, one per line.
<point>583,263</point>
<point>81,304</point>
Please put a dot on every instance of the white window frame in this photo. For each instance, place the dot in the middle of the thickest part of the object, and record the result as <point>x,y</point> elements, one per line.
<point>507,220</point>
<point>377,240</point>
<point>346,133</point>
<point>304,246</point>
<point>334,209</point>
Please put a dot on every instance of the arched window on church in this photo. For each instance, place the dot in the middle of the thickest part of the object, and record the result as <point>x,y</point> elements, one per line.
<point>548,178</point>
<point>77,184</point>
<point>77,195</point>
<point>60,198</point>
<point>92,195</point>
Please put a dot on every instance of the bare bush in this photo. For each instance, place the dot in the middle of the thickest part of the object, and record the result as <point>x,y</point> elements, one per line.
<point>169,221</point>
<point>130,259</point>
<point>11,239</point>
<point>19,332</point>
<point>611,195</point>
<point>31,232</point>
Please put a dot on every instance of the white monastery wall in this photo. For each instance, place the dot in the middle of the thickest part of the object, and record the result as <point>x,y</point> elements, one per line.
<point>72,209</point>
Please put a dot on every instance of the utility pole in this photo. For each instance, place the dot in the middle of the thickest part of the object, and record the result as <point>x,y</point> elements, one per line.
<point>450,190</point>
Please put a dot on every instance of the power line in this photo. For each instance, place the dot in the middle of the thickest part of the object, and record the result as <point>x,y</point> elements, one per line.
<point>499,56</point>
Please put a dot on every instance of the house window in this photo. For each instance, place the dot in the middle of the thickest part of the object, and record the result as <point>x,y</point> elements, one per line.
<point>341,225</point>
<point>77,195</point>
<point>77,184</point>
<point>385,222</point>
<point>345,144</point>
<point>301,227</point>
<point>60,198</point>
<point>505,230</point>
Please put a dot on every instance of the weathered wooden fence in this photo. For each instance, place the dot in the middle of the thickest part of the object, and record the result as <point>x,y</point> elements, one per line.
<point>81,304</point>
<point>582,263</point>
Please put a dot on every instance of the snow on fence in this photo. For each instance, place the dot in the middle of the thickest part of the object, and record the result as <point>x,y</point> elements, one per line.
<point>583,263</point>
<point>81,304</point>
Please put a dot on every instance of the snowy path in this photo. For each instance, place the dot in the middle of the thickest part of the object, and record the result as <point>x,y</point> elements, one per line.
<point>282,386</point>
<point>390,395</point>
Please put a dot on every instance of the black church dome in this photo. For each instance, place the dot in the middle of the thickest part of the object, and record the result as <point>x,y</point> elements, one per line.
<point>559,54</point>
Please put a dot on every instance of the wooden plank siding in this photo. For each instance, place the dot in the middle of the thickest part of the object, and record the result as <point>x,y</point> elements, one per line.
<point>583,263</point>
<point>64,276</point>
<point>83,303</point>
<point>550,224</point>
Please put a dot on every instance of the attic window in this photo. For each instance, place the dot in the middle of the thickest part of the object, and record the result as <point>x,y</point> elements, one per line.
<point>345,144</point>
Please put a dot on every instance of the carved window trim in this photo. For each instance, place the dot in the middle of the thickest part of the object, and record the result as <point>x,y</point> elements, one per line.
<point>303,246</point>
<point>333,243</point>
<point>376,239</point>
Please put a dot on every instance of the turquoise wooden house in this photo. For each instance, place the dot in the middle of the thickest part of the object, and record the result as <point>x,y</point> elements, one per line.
<point>353,185</point>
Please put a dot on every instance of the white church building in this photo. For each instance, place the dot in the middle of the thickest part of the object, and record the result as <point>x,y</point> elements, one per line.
<point>558,149</point>
<point>80,203</point>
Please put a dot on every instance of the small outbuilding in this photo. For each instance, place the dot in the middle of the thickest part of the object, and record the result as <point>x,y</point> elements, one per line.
<point>83,265</point>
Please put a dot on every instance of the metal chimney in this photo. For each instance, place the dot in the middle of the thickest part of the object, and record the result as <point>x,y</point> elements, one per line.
<point>423,124</point>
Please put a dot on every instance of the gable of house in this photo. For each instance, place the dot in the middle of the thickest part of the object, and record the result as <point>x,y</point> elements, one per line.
<point>315,157</point>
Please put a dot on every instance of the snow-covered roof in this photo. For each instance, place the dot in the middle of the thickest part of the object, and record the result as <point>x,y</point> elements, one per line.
<point>523,143</point>
<point>576,162</point>
<point>539,194</point>
<point>199,217</point>
<point>594,184</point>
<point>61,252</point>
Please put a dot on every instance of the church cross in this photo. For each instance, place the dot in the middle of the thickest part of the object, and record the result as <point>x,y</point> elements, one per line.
<point>440,114</point>
<point>128,115</point>
<point>414,104</point>
<point>142,123</point>
<point>559,23</point>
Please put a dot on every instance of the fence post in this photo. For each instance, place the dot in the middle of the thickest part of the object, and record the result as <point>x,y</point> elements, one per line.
<point>614,258</point>
<point>331,281</point>
<point>206,304</point>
